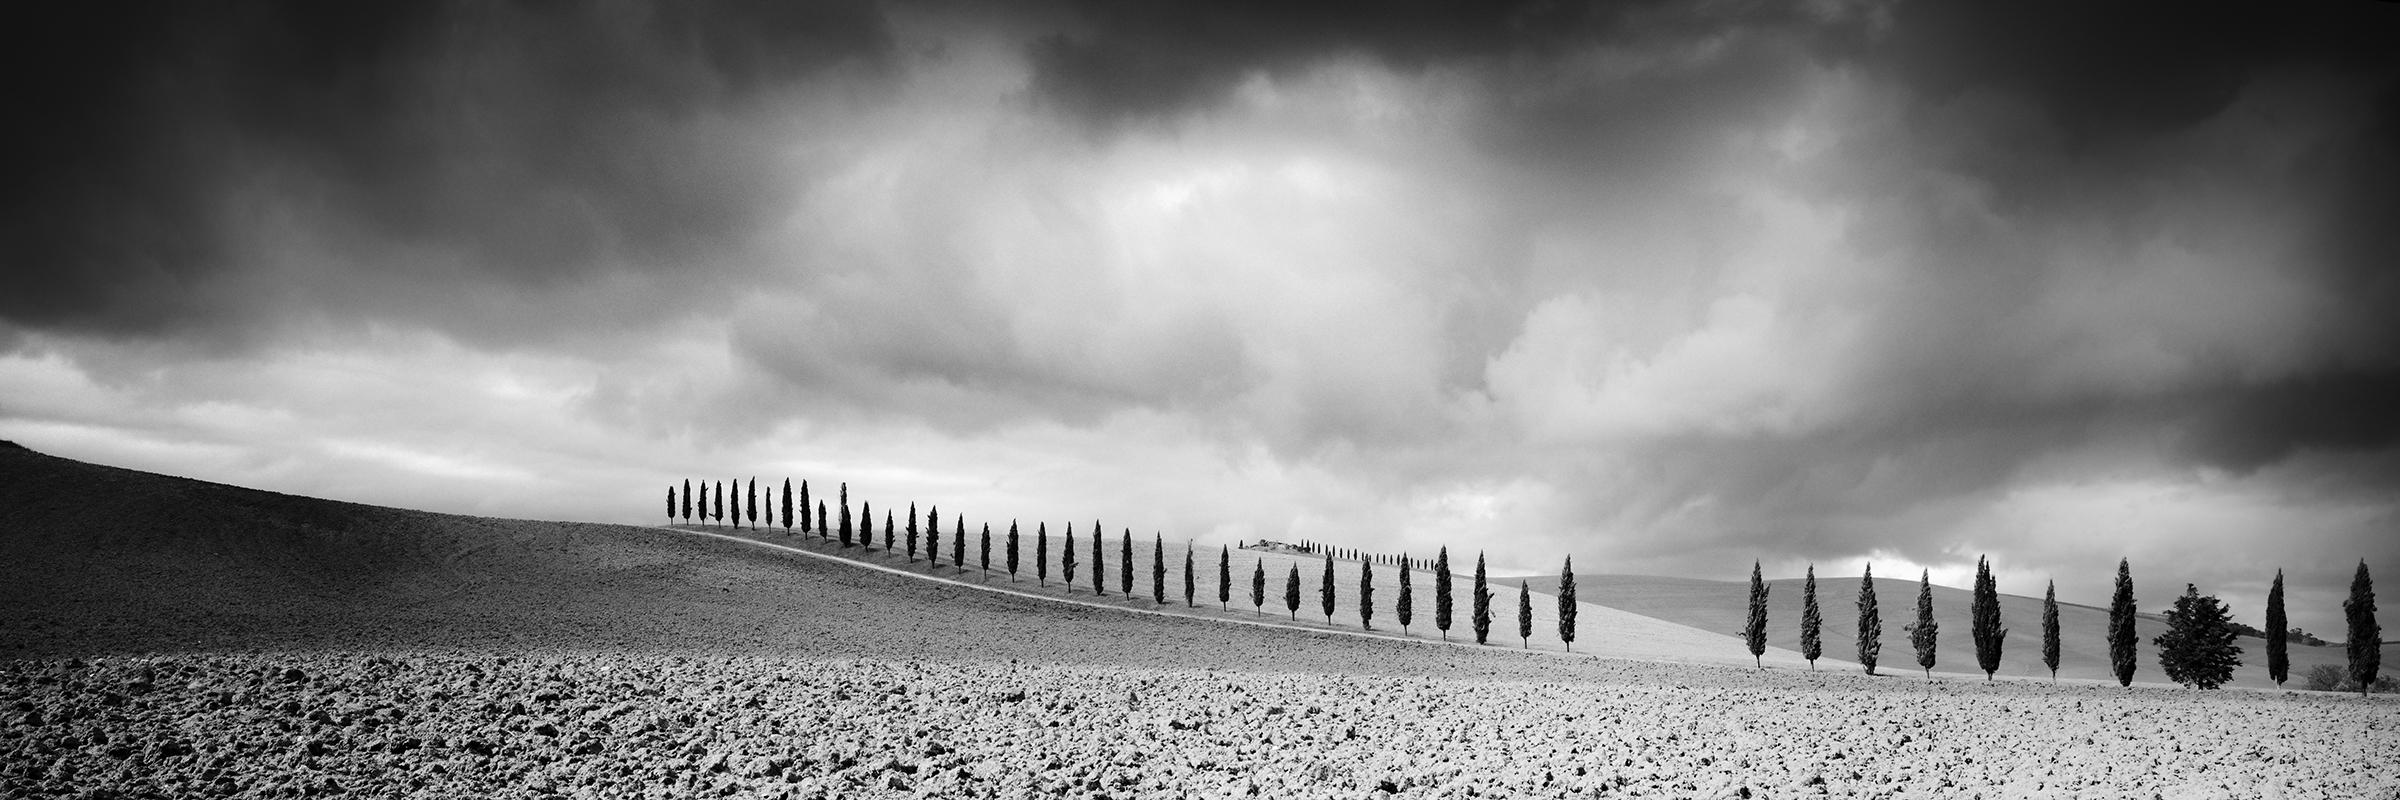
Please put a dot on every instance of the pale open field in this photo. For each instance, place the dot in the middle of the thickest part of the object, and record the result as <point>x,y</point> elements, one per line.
<point>188,639</point>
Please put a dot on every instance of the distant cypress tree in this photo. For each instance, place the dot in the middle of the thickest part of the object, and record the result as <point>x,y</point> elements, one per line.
<point>1325,590</point>
<point>1985,623</point>
<point>866,525</point>
<point>2279,657</point>
<point>1922,634</point>
<point>933,536</point>
<point>805,528</point>
<point>1099,572</point>
<point>1812,642</point>
<point>2366,637</point>
<point>2121,635</point>
<point>2050,629</point>
<point>1291,591</point>
<point>1066,557</point>
<point>670,504</point>
<point>687,501</point>
<point>1524,615</point>
<point>1258,588</point>
<point>1041,553</point>
<point>2197,649</point>
<point>1125,564</point>
<point>1224,578</point>
<point>1482,619</point>
<point>821,526</point>
<point>753,501</point>
<point>845,506</point>
<point>987,547</point>
<point>1404,607</point>
<point>958,544</point>
<point>787,507</point>
<point>1566,604</point>
<point>1191,583</point>
<point>1754,634</point>
<point>1441,592</point>
<point>1366,595</point>
<point>1012,551</point>
<point>912,532</point>
<point>1158,569</point>
<point>720,510</point>
<point>1870,622</point>
<point>887,530</point>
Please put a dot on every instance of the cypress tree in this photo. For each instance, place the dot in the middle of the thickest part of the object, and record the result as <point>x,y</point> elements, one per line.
<point>821,518</point>
<point>1291,591</point>
<point>887,530</point>
<point>958,544</point>
<point>2121,635</point>
<point>1158,568</point>
<point>2050,629</point>
<point>737,503</point>
<point>1812,643</point>
<point>1191,582</point>
<point>1041,554</point>
<point>1125,564</point>
<point>1366,595</point>
<point>1441,592</point>
<point>1524,615</point>
<point>1325,590</point>
<point>1099,572</point>
<point>1404,606</point>
<point>804,506</point>
<point>866,526</point>
<point>1482,619</point>
<point>1754,634</point>
<point>1870,622</point>
<point>1066,557</point>
<point>687,501</point>
<point>1258,588</point>
<point>670,504</point>
<point>1985,624</point>
<point>753,493</point>
<point>1566,604</point>
<point>2279,657</point>
<point>2366,637</point>
<point>1012,551</point>
<point>986,548</point>
<point>787,507</point>
<point>933,536</point>
<point>2197,649</point>
<point>845,506</point>
<point>912,531</point>
<point>1224,578</point>
<point>1922,634</point>
<point>720,512</point>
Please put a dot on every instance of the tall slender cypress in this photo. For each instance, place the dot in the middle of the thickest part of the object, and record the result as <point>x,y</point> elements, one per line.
<point>1870,622</point>
<point>1012,551</point>
<point>1366,595</point>
<point>1158,568</point>
<point>2279,656</point>
<point>958,544</point>
<point>1125,564</point>
<point>2121,632</point>
<point>1325,590</point>
<point>1404,607</point>
<point>2050,629</point>
<point>1985,623</point>
<point>1099,572</point>
<point>1754,634</point>
<point>933,536</point>
<point>1066,557</point>
<point>821,518</point>
<point>987,547</point>
<point>2366,637</point>
<point>1482,619</point>
<point>1224,578</point>
<point>1258,588</point>
<point>1524,615</point>
<point>912,531</point>
<point>887,530</point>
<point>670,504</point>
<point>753,501</point>
<point>805,527</point>
<point>1566,604</point>
<point>1191,578</point>
<point>866,525</point>
<point>1812,643</point>
<point>845,506</point>
<point>1922,634</point>
<point>787,507</point>
<point>1441,592</point>
<point>720,503</point>
<point>687,501</point>
<point>1041,553</point>
<point>1291,591</point>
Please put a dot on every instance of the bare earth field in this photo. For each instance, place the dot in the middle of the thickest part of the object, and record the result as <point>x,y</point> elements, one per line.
<point>188,639</point>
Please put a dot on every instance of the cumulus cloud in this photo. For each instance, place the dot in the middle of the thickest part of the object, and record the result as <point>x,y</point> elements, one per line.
<point>1668,286</point>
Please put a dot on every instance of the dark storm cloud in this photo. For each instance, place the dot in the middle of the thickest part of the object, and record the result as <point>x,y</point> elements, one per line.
<point>507,148</point>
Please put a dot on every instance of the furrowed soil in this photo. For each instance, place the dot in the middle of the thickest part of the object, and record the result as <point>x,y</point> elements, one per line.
<point>203,640</point>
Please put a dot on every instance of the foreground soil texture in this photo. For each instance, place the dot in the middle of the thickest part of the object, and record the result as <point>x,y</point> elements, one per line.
<point>185,639</point>
<point>564,725</point>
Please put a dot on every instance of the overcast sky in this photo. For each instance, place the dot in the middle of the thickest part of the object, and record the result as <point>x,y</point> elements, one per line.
<point>1667,287</point>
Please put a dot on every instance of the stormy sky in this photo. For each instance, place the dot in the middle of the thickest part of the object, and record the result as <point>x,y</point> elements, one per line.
<point>1665,286</point>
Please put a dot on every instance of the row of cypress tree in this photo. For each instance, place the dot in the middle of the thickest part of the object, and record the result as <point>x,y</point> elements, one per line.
<point>2197,649</point>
